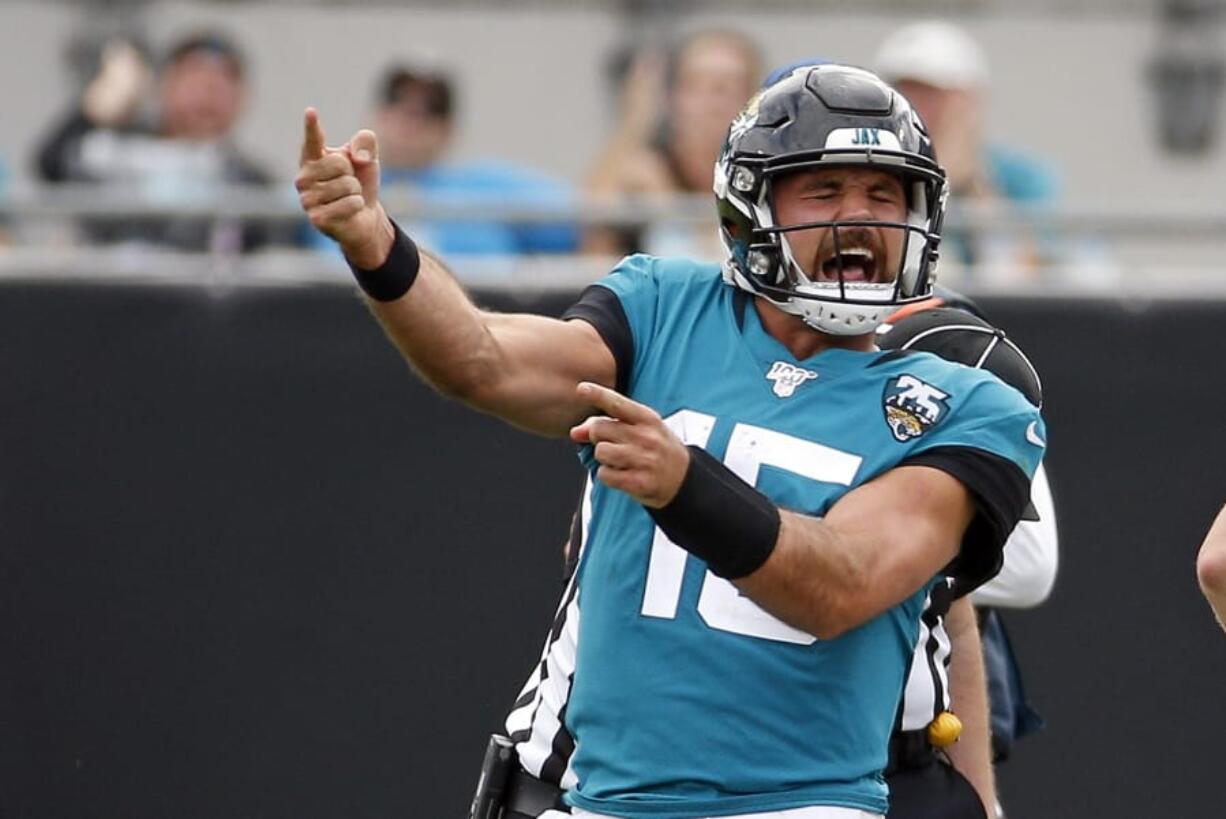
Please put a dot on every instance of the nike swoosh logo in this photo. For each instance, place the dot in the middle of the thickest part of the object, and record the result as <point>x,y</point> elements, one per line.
<point>1032,434</point>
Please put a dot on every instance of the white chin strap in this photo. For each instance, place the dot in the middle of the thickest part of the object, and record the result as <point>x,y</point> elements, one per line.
<point>822,305</point>
<point>826,311</point>
<point>834,318</point>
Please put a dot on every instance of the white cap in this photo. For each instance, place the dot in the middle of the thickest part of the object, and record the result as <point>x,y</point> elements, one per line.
<point>939,54</point>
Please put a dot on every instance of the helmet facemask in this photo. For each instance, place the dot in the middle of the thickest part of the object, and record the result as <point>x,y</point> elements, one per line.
<point>856,270</point>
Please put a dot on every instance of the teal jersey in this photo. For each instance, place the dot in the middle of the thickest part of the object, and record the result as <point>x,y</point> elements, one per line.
<point>687,699</point>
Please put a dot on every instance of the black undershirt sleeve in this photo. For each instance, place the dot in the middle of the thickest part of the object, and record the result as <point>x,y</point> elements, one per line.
<point>1001,491</point>
<point>600,307</point>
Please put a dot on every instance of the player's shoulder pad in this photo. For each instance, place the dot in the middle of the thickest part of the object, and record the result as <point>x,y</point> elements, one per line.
<point>635,280</point>
<point>650,286</point>
<point>643,272</point>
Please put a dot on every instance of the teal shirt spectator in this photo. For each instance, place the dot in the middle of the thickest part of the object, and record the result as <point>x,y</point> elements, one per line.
<point>1021,179</point>
<point>1025,183</point>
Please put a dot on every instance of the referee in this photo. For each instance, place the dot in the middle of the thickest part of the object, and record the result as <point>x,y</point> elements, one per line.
<point>930,774</point>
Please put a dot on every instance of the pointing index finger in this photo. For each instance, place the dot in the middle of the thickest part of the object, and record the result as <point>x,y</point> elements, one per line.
<point>312,137</point>
<point>614,403</point>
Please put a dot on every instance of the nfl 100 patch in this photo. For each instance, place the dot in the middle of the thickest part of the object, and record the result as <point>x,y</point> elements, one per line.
<point>787,377</point>
<point>912,407</point>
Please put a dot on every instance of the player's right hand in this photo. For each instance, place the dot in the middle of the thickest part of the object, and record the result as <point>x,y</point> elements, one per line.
<point>637,452</point>
<point>338,189</point>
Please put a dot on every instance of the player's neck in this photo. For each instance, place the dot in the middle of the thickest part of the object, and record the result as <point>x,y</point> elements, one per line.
<point>802,340</point>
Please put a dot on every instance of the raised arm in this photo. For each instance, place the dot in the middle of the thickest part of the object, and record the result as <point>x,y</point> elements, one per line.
<point>522,368</point>
<point>111,100</point>
<point>1211,567</point>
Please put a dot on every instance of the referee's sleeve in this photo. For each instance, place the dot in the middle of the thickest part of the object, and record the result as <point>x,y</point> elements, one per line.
<point>1001,492</point>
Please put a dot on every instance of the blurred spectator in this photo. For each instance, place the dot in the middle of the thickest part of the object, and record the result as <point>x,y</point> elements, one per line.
<point>415,122</point>
<point>673,117</point>
<point>944,73</point>
<point>175,148</point>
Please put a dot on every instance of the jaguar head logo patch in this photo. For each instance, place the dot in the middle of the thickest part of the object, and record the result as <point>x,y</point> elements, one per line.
<point>912,407</point>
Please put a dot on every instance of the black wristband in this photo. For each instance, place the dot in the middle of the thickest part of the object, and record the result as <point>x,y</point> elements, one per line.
<point>718,517</point>
<point>396,275</point>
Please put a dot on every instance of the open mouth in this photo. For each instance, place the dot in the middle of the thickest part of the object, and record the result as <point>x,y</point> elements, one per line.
<point>856,264</point>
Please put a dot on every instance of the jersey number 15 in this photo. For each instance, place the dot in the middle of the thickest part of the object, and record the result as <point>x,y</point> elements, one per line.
<point>720,605</point>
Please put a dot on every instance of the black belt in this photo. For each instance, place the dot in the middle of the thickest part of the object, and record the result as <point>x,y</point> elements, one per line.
<point>529,796</point>
<point>909,749</point>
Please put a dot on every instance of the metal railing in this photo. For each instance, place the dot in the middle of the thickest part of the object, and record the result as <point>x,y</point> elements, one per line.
<point>1160,247</point>
<point>1206,219</point>
<point>1048,8</point>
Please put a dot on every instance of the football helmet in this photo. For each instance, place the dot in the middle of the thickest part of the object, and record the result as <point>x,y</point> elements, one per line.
<point>820,116</point>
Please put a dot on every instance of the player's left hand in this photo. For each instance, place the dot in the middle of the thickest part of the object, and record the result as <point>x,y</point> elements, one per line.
<point>637,453</point>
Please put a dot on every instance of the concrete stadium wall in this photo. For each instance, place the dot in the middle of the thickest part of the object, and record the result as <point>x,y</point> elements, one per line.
<point>250,567</point>
<point>1070,87</point>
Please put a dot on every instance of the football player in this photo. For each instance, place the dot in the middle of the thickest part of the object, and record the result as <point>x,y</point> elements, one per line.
<point>921,778</point>
<point>771,497</point>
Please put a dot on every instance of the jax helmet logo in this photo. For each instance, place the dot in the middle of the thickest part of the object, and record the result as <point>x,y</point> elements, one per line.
<point>787,378</point>
<point>912,407</point>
